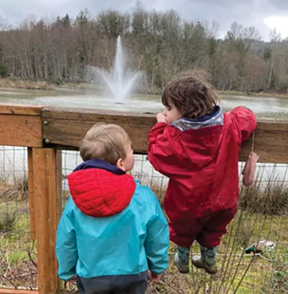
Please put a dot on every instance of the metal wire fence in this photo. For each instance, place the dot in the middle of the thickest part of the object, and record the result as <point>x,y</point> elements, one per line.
<point>18,266</point>
<point>262,215</point>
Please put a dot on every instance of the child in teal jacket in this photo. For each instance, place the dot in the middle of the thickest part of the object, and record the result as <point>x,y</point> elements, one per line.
<point>112,229</point>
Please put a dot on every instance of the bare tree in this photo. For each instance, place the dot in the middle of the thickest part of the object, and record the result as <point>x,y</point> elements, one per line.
<point>159,43</point>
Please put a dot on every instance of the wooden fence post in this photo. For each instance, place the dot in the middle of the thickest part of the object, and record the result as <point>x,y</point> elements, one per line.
<point>46,165</point>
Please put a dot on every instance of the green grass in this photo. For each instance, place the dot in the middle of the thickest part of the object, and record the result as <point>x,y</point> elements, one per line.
<point>15,240</point>
<point>17,251</point>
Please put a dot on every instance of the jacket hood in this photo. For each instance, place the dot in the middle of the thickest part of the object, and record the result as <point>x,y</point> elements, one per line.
<point>212,119</point>
<point>100,189</point>
<point>197,142</point>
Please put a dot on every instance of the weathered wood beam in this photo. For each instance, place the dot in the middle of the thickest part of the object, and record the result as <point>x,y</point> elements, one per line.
<point>20,109</point>
<point>20,130</point>
<point>20,125</point>
<point>67,127</point>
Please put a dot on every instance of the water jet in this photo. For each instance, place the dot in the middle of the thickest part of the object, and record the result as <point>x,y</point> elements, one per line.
<point>119,80</point>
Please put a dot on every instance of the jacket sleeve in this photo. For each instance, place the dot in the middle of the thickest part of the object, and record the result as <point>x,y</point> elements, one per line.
<point>244,120</point>
<point>157,241</point>
<point>66,249</point>
<point>160,150</point>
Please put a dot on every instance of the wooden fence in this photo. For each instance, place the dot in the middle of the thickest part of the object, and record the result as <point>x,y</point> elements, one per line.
<point>45,131</point>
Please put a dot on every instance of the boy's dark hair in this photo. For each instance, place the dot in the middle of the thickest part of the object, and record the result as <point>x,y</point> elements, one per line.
<point>191,95</point>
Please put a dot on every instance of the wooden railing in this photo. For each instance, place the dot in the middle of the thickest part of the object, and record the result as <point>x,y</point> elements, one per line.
<point>47,130</point>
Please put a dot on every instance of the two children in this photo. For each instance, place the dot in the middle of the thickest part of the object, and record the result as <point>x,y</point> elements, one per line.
<point>196,146</point>
<point>112,229</point>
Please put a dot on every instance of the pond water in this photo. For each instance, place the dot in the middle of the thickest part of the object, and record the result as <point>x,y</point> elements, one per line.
<point>265,108</point>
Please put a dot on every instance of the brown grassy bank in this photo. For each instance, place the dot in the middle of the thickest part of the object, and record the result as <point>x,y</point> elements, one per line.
<point>16,83</point>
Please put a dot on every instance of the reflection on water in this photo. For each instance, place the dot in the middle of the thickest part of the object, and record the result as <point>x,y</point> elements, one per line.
<point>266,108</point>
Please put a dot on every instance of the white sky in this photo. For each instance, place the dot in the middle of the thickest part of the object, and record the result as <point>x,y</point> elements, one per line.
<point>265,15</point>
<point>280,23</point>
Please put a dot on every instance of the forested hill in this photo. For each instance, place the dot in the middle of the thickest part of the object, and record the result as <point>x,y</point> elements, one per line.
<point>159,43</point>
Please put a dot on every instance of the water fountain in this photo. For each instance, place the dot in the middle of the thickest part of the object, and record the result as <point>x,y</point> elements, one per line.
<point>119,80</point>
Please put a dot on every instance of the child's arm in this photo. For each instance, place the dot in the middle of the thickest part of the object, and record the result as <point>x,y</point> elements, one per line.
<point>160,150</point>
<point>244,120</point>
<point>66,249</point>
<point>157,241</point>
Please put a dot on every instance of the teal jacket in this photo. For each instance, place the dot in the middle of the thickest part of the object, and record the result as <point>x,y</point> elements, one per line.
<point>111,225</point>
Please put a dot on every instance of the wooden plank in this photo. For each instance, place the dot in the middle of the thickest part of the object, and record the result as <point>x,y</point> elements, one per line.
<point>67,127</point>
<point>59,200</point>
<point>90,114</point>
<point>17,291</point>
<point>31,197</point>
<point>64,127</point>
<point>19,109</point>
<point>45,175</point>
<point>271,142</point>
<point>20,130</point>
<point>70,133</point>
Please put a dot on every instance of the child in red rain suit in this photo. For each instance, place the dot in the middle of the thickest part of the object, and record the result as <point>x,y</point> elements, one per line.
<point>196,146</point>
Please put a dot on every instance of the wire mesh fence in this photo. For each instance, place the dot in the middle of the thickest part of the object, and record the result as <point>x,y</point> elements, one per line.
<point>262,216</point>
<point>18,266</point>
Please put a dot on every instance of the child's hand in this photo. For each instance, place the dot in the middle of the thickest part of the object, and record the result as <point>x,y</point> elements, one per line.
<point>160,117</point>
<point>154,278</point>
<point>72,280</point>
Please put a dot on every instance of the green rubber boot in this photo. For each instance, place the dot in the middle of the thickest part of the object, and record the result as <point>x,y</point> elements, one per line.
<point>181,260</point>
<point>207,260</point>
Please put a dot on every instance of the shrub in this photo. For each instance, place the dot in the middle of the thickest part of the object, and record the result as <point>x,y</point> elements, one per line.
<point>271,201</point>
<point>7,222</point>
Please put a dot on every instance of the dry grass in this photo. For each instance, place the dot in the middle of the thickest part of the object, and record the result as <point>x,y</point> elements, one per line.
<point>273,200</point>
<point>17,190</point>
<point>25,84</point>
<point>7,221</point>
<point>13,186</point>
<point>18,267</point>
<point>17,251</point>
<point>254,94</point>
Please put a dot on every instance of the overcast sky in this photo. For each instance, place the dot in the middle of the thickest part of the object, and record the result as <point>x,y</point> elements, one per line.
<point>265,15</point>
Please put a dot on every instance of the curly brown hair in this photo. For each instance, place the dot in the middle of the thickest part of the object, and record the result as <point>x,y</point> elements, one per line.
<point>191,95</point>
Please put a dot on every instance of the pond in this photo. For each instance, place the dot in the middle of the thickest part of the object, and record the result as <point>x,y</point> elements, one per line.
<point>263,107</point>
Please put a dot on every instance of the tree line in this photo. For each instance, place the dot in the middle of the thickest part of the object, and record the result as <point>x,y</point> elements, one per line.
<point>161,44</point>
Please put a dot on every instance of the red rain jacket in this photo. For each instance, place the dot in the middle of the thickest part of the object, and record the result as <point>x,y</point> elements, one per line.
<point>202,164</point>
